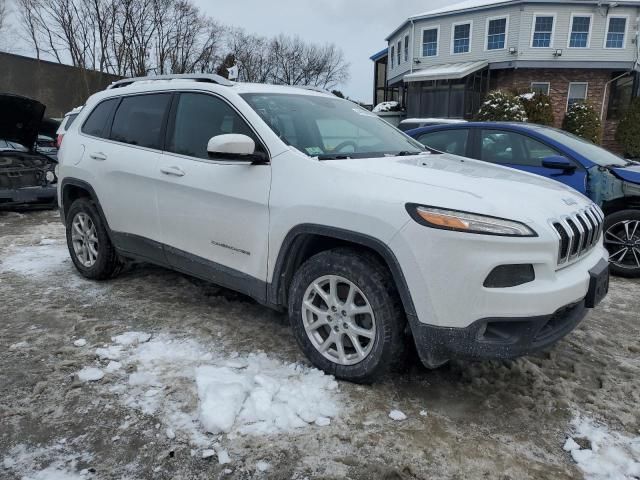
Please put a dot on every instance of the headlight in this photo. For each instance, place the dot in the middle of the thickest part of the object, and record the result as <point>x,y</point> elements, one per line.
<point>468,222</point>
<point>50,176</point>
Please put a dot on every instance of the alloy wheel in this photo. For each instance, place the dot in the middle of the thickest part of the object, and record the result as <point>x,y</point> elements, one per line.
<point>622,240</point>
<point>339,320</point>
<point>85,239</point>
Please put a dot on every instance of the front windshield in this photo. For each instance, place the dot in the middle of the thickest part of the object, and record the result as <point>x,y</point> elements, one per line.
<point>327,128</point>
<point>590,151</point>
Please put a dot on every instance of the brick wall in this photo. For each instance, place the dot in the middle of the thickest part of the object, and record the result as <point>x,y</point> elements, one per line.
<point>559,79</point>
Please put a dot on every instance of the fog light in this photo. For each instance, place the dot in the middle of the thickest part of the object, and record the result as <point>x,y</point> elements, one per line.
<point>506,276</point>
<point>50,176</point>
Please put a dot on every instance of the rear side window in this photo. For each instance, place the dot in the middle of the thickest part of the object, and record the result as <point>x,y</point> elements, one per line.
<point>139,120</point>
<point>198,118</point>
<point>96,123</point>
<point>447,141</point>
<point>70,119</point>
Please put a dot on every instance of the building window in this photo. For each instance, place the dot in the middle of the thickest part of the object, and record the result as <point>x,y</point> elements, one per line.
<point>616,29</point>
<point>496,33</point>
<point>393,55</point>
<point>541,87</point>
<point>542,31</point>
<point>461,38</point>
<point>430,42</point>
<point>580,28</point>
<point>577,93</point>
<point>406,48</point>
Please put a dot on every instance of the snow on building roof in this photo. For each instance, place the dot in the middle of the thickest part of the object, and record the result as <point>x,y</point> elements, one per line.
<point>465,5</point>
<point>446,71</point>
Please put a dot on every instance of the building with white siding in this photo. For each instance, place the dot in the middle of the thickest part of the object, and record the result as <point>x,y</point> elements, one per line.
<point>442,62</point>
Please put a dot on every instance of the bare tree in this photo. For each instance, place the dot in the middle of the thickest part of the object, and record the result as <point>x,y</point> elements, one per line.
<point>3,13</point>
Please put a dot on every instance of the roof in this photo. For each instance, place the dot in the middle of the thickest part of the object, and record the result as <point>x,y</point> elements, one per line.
<point>465,5</point>
<point>381,54</point>
<point>446,71</point>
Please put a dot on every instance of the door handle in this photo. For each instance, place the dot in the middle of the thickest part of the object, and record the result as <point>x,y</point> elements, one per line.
<point>174,171</point>
<point>98,156</point>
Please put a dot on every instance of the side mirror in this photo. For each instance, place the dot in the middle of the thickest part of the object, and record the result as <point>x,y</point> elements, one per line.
<point>234,147</point>
<point>559,162</point>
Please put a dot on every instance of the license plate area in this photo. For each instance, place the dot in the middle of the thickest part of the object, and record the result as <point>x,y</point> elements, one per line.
<point>598,285</point>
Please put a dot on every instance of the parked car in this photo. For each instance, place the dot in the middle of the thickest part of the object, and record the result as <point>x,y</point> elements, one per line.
<point>412,123</point>
<point>66,122</point>
<point>307,202</point>
<point>609,180</point>
<point>27,176</point>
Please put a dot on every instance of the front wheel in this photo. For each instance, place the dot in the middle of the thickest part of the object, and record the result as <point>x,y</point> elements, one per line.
<point>622,240</point>
<point>346,315</point>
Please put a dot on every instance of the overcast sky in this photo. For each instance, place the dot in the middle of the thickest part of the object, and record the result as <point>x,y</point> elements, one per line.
<point>359,27</point>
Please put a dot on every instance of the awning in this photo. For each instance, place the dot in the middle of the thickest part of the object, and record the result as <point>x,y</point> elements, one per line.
<point>446,71</point>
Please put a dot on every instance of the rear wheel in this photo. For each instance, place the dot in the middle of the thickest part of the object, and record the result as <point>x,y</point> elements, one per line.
<point>346,315</point>
<point>622,240</point>
<point>89,245</point>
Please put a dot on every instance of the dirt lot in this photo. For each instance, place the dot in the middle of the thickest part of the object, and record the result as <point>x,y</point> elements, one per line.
<point>502,420</point>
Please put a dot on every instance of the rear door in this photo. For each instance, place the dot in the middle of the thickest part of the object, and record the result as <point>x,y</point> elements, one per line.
<point>214,214</point>
<point>520,151</point>
<point>125,166</point>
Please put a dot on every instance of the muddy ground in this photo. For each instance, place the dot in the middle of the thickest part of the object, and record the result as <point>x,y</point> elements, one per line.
<point>486,420</point>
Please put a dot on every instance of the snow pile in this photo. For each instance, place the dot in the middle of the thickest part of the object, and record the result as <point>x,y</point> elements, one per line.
<point>196,391</point>
<point>609,455</point>
<point>387,107</point>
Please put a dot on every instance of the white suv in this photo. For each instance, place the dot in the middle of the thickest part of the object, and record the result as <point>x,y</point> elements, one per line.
<point>309,203</point>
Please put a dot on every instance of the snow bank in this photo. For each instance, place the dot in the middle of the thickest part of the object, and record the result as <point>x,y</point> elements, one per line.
<point>611,455</point>
<point>196,391</point>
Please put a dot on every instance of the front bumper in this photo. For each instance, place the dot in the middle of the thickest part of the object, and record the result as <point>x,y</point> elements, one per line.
<point>28,196</point>
<point>505,338</point>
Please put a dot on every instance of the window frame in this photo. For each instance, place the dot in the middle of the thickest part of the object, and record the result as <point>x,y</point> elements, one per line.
<point>453,36</point>
<point>624,34</point>
<point>548,84</point>
<point>171,121</point>
<point>573,17</point>
<point>426,29</point>
<point>553,28</point>
<point>586,92</point>
<point>506,33</point>
<point>406,47</point>
<point>399,52</point>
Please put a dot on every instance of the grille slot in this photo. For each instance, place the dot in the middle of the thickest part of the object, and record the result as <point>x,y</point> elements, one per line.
<point>578,233</point>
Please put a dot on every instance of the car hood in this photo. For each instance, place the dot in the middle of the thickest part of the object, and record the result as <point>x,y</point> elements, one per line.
<point>20,119</point>
<point>629,174</point>
<point>460,182</point>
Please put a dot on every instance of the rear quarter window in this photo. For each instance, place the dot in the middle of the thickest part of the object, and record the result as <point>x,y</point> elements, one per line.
<point>97,121</point>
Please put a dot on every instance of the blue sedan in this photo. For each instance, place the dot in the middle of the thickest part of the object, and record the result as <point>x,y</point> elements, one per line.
<point>609,180</point>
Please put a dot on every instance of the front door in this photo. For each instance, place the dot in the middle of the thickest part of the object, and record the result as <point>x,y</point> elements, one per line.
<point>214,215</point>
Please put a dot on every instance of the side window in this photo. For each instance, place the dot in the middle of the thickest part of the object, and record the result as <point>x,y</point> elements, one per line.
<point>139,119</point>
<point>96,123</point>
<point>198,118</point>
<point>447,141</point>
<point>502,147</point>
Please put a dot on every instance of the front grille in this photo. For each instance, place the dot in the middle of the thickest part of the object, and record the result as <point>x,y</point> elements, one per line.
<point>578,233</point>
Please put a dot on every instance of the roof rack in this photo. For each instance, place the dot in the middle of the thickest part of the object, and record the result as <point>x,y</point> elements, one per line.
<point>198,77</point>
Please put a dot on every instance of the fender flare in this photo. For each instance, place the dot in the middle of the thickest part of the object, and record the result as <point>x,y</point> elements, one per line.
<point>293,244</point>
<point>70,181</point>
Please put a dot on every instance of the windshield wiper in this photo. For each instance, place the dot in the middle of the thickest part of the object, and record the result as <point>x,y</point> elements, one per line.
<point>337,156</point>
<point>406,153</point>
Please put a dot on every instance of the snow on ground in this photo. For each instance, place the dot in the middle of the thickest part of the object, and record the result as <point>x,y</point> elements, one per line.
<point>602,454</point>
<point>50,462</point>
<point>37,261</point>
<point>197,390</point>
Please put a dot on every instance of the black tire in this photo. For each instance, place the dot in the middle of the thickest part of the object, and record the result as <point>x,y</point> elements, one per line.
<point>613,224</point>
<point>107,264</point>
<point>374,280</point>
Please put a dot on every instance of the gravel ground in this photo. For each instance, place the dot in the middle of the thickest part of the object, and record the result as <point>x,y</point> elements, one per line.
<point>502,420</point>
